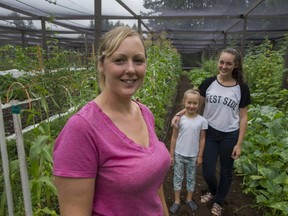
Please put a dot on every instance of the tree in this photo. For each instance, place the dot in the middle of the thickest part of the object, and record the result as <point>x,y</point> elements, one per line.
<point>188,7</point>
<point>106,24</point>
<point>18,23</point>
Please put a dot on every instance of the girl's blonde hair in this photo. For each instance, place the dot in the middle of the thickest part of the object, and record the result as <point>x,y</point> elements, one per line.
<point>194,91</point>
<point>109,43</point>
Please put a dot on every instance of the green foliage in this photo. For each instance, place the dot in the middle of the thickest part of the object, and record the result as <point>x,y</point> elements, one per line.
<point>38,147</point>
<point>264,70</point>
<point>163,72</point>
<point>16,57</point>
<point>197,75</point>
<point>63,88</point>
<point>40,169</point>
<point>264,162</point>
<point>58,57</point>
<point>33,58</point>
<point>6,81</point>
<point>57,91</point>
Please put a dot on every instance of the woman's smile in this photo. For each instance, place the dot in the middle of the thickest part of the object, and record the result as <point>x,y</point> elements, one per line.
<point>129,81</point>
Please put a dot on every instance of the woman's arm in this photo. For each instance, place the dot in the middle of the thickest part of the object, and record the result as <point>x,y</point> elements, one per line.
<point>243,116</point>
<point>163,201</point>
<point>173,144</point>
<point>176,118</point>
<point>201,147</point>
<point>201,105</point>
<point>75,195</point>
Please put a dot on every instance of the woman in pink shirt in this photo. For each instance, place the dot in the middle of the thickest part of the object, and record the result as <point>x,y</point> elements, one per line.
<point>108,159</point>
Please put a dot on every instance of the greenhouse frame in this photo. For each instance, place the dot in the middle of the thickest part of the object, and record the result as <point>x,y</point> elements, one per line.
<point>192,26</point>
<point>50,68</point>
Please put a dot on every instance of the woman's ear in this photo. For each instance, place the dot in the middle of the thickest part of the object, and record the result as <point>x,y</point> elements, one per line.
<point>100,67</point>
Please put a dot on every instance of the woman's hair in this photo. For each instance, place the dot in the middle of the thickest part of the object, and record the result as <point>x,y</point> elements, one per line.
<point>109,43</point>
<point>237,73</point>
<point>190,91</point>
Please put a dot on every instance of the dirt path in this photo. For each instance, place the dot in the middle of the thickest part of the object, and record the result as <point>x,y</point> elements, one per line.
<point>236,203</point>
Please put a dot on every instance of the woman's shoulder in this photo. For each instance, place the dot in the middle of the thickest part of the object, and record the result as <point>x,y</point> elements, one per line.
<point>205,84</point>
<point>244,89</point>
<point>142,106</point>
<point>84,115</point>
<point>209,80</point>
<point>145,110</point>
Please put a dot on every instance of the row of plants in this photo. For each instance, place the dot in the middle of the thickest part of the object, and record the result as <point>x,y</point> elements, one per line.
<point>163,73</point>
<point>264,163</point>
<point>34,58</point>
<point>52,91</point>
<point>34,70</point>
<point>64,90</point>
<point>73,89</point>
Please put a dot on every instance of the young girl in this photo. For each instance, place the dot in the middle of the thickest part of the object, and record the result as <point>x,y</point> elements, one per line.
<point>187,145</point>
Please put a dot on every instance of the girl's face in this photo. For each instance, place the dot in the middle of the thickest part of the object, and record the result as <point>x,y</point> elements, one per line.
<point>125,69</point>
<point>191,103</point>
<point>226,64</point>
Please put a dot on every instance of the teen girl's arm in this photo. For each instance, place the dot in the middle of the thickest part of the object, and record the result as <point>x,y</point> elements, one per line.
<point>243,115</point>
<point>176,118</point>
<point>173,144</point>
<point>75,195</point>
<point>201,105</point>
<point>163,201</point>
<point>201,147</point>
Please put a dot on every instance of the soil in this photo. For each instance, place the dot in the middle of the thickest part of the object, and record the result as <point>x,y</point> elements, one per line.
<point>236,202</point>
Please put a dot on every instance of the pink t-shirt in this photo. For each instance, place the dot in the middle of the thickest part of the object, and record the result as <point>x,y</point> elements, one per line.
<point>127,174</point>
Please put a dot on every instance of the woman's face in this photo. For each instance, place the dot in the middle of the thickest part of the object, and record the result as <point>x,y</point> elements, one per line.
<point>125,69</point>
<point>226,64</point>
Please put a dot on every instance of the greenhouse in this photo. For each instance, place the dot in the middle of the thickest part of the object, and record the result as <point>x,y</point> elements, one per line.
<point>49,70</point>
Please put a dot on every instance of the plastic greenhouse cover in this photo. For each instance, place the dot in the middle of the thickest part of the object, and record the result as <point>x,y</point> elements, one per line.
<point>191,26</point>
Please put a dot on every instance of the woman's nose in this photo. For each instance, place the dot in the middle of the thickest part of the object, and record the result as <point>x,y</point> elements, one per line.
<point>130,66</point>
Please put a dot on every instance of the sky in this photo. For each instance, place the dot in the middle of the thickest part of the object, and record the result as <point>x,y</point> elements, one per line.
<point>66,7</point>
<point>83,7</point>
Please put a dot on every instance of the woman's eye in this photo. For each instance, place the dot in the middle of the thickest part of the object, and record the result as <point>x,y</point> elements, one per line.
<point>119,60</point>
<point>139,61</point>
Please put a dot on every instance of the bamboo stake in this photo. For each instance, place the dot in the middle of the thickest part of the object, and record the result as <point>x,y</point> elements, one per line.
<point>5,162</point>
<point>21,157</point>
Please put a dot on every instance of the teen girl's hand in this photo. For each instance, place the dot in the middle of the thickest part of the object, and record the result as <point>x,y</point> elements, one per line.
<point>236,152</point>
<point>199,160</point>
<point>175,121</point>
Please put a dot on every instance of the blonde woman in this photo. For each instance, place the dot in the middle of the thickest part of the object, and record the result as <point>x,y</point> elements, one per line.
<point>108,159</point>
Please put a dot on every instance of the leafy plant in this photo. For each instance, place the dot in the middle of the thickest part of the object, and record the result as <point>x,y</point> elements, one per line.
<point>163,72</point>
<point>264,69</point>
<point>264,162</point>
